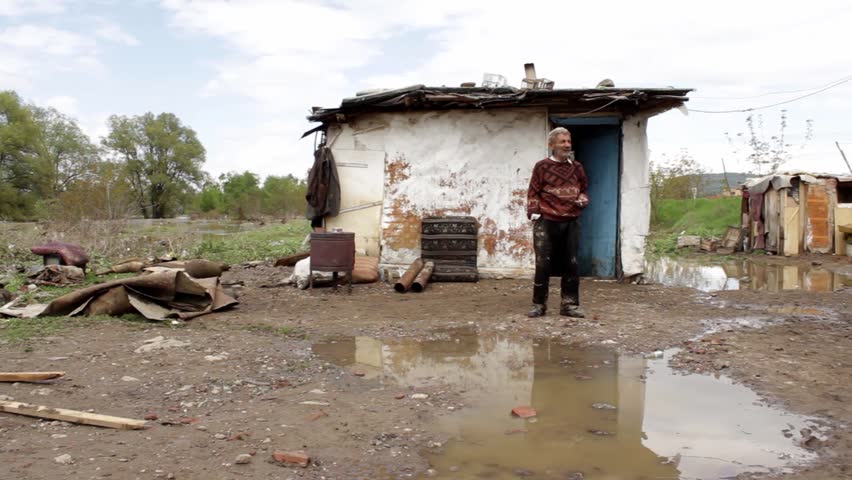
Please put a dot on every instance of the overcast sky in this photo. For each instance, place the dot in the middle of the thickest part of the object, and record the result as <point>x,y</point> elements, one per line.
<point>244,73</point>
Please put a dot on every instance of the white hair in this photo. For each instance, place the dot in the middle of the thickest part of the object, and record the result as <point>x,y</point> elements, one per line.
<point>555,132</point>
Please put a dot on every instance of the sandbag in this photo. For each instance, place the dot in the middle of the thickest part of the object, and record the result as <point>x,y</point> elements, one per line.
<point>366,270</point>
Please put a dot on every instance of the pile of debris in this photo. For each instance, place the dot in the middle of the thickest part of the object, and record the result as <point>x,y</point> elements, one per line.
<point>730,244</point>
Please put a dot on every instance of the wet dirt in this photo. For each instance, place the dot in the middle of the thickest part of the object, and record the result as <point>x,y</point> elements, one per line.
<point>249,381</point>
<point>709,275</point>
<point>592,405</point>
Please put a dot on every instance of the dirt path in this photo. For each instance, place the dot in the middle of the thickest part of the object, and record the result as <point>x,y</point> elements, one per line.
<point>239,383</point>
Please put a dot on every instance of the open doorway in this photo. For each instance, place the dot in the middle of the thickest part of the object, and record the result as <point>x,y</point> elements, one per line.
<point>597,143</point>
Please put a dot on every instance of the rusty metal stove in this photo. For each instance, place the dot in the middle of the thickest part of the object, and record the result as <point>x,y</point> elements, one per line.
<point>332,252</point>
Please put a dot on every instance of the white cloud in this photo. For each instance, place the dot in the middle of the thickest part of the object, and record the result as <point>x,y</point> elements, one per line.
<point>64,103</point>
<point>289,55</point>
<point>18,8</point>
<point>112,32</point>
<point>45,39</point>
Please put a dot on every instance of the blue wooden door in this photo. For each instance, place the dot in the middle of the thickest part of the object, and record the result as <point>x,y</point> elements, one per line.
<point>598,148</point>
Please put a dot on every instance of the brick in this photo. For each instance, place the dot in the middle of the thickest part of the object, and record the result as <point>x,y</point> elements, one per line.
<point>297,457</point>
<point>524,412</point>
<point>316,416</point>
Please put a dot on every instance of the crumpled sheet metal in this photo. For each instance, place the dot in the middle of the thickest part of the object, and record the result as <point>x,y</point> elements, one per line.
<point>156,296</point>
<point>57,275</point>
<point>71,254</point>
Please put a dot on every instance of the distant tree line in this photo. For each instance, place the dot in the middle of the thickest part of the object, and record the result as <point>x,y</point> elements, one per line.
<point>147,166</point>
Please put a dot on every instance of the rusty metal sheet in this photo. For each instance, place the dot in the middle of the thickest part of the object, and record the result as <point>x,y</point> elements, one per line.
<point>818,231</point>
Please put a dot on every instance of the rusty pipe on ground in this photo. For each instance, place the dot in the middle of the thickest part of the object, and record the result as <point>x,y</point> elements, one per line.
<point>404,283</point>
<point>423,277</point>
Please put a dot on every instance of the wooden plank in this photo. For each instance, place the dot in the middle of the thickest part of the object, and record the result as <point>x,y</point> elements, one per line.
<point>73,416</point>
<point>28,376</point>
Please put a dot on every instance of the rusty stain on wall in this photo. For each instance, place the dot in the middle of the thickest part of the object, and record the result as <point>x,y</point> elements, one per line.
<point>396,171</point>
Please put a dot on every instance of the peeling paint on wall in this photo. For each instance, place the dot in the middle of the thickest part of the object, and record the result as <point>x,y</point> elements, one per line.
<point>462,163</point>
<point>478,163</point>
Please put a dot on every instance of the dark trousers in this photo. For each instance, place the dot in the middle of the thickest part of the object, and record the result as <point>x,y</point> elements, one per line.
<point>556,245</point>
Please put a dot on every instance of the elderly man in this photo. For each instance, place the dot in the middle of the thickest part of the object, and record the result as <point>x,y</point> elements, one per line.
<point>556,197</point>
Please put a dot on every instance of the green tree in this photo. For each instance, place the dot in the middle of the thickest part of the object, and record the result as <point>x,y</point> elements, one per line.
<point>678,177</point>
<point>242,194</point>
<point>283,196</point>
<point>163,159</point>
<point>65,154</point>
<point>19,140</point>
<point>210,199</point>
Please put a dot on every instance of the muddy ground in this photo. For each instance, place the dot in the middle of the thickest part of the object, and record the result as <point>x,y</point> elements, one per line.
<point>237,386</point>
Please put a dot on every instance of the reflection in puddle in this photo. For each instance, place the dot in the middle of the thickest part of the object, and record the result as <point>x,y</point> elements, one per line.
<point>666,426</point>
<point>743,275</point>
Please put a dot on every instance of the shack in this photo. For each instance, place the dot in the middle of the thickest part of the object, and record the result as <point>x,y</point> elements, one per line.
<point>794,213</point>
<point>406,154</point>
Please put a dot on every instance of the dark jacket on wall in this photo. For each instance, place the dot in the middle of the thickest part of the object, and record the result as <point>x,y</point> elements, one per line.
<point>323,196</point>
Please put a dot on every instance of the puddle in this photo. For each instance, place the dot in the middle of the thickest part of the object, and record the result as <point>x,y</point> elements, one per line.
<point>668,425</point>
<point>744,274</point>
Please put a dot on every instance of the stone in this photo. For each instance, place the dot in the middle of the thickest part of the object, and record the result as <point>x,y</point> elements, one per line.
<point>297,457</point>
<point>64,459</point>
<point>419,396</point>
<point>159,343</point>
<point>41,391</point>
<point>314,402</point>
<point>243,459</point>
<point>6,398</point>
<point>220,436</point>
<point>399,396</point>
<point>127,378</point>
<point>216,358</point>
<point>152,416</point>
<point>524,412</point>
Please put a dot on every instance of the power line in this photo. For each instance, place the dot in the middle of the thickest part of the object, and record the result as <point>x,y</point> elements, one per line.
<point>830,86</point>
<point>775,93</point>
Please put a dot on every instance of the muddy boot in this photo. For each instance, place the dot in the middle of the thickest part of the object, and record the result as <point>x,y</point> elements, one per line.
<point>537,310</point>
<point>572,311</point>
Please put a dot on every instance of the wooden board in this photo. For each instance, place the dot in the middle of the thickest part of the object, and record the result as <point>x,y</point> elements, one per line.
<point>28,376</point>
<point>73,416</point>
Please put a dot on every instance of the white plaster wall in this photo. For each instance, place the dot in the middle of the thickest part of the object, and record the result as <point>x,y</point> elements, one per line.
<point>474,163</point>
<point>635,194</point>
<point>359,154</point>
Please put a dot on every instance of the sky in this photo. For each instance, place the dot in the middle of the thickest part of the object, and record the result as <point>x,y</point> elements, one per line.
<point>244,74</point>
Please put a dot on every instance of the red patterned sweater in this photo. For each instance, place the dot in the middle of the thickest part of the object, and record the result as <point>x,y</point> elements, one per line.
<point>557,190</point>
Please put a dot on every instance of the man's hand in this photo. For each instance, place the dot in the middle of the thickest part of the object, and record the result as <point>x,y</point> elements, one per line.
<point>535,216</point>
<point>583,200</point>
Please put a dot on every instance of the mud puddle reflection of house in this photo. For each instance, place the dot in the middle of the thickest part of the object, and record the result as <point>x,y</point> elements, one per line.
<point>599,415</point>
<point>743,275</point>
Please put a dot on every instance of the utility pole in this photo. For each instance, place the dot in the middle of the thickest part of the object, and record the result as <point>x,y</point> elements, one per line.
<point>844,156</point>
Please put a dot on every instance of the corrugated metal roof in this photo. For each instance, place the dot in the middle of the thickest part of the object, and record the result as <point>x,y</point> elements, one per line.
<point>580,101</point>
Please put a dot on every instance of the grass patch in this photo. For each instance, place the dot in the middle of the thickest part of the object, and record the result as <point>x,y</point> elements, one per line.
<point>18,330</point>
<point>701,216</point>
<point>705,217</point>
<point>265,243</point>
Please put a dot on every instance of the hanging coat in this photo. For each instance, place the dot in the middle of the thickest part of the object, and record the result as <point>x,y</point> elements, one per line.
<point>323,196</point>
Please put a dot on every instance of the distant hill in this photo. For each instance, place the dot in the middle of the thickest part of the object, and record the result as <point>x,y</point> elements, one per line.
<point>714,182</point>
